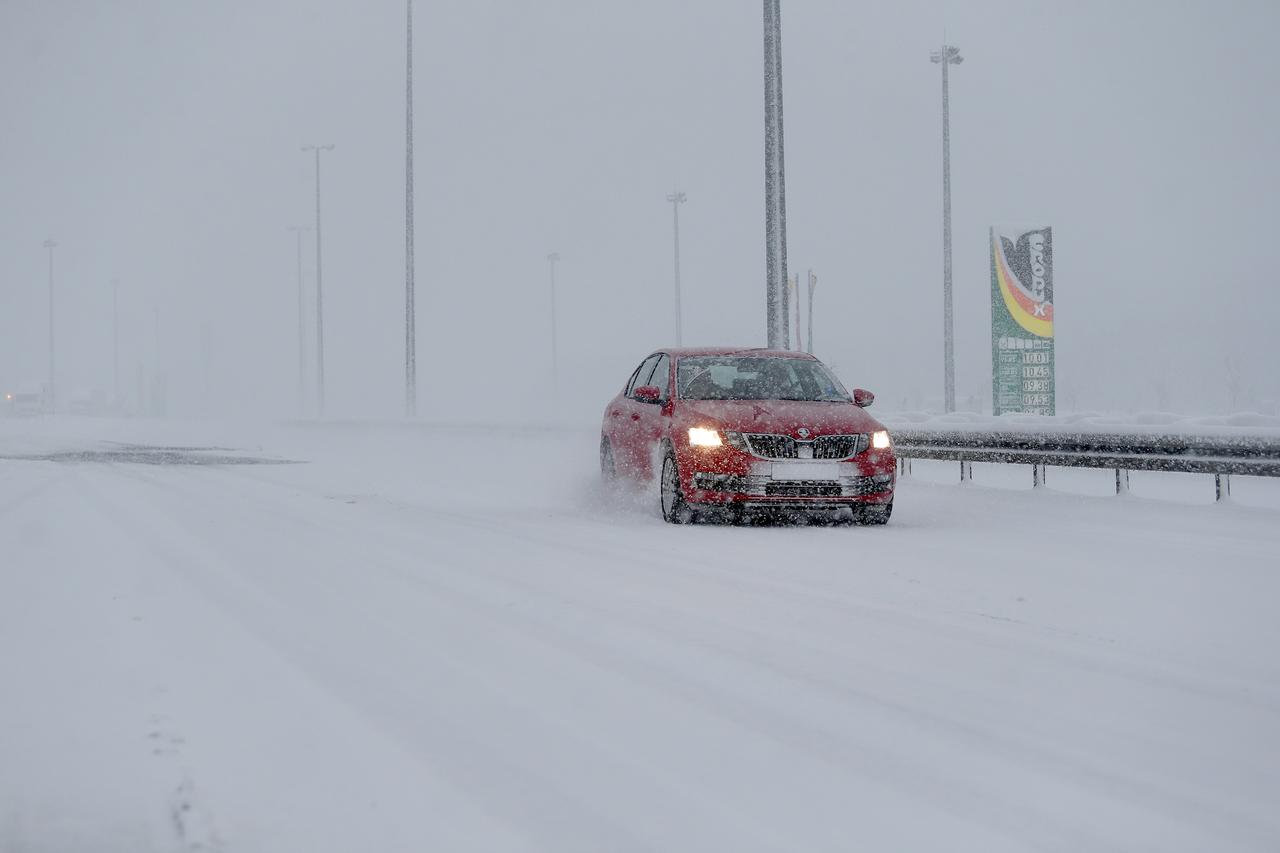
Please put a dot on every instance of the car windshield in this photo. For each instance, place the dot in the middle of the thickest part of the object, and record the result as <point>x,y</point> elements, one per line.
<point>731,377</point>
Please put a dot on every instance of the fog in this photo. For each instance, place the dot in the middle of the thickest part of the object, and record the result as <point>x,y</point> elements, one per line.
<point>158,144</point>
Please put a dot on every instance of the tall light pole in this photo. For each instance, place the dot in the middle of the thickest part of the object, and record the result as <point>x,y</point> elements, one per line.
<point>795,291</point>
<point>298,231</point>
<point>552,259</point>
<point>775,228</point>
<point>115,342</point>
<point>410,318</point>
<point>160,387</point>
<point>677,198</point>
<point>813,285</point>
<point>50,244</point>
<point>948,56</point>
<point>319,288</point>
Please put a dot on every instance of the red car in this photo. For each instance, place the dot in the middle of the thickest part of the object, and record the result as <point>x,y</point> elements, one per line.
<point>737,431</point>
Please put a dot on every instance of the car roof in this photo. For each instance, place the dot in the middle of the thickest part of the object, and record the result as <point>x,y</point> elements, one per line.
<point>682,352</point>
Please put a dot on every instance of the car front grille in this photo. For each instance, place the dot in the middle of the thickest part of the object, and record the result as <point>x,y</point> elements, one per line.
<point>772,446</point>
<point>824,447</point>
<point>804,489</point>
<point>847,486</point>
<point>839,446</point>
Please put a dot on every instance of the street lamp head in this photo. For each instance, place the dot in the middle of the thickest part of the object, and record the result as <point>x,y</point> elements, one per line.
<point>553,257</point>
<point>677,197</point>
<point>317,147</point>
<point>49,244</point>
<point>951,52</point>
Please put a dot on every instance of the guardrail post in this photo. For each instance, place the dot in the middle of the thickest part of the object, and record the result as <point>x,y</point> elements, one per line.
<point>966,471</point>
<point>1221,486</point>
<point>1122,482</point>
<point>1037,476</point>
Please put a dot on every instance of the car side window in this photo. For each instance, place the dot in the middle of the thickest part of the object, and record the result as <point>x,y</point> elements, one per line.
<point>631,383</point>
<point>662,376</point>
<point>643,374</point>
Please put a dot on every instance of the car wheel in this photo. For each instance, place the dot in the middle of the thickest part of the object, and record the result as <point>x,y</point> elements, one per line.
<point>873,514</point>
<point>674,508</point>
<point>608,470</point>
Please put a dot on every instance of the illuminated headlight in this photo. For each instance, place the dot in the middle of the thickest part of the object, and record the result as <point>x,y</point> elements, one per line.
<point>880,439</point>
<point>703,437</point>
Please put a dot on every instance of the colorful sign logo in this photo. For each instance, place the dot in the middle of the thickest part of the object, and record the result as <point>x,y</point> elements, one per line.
<point>1022,337</point>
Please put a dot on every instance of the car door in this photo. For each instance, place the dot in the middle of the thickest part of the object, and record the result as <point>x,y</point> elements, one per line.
<point>625,416</point>
<point>651,425</point>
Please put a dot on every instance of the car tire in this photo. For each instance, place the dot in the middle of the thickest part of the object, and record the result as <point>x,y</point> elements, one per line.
<point>608,468</point>
<point>675,509</point>
<point>873,514</point>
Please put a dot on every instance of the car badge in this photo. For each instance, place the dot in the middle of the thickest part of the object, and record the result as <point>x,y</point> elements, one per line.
<point>802,432</point>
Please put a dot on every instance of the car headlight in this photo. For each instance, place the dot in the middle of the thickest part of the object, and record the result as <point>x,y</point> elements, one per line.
<point>703,437</point>
<point>736,440</point>
<point>880,439</point>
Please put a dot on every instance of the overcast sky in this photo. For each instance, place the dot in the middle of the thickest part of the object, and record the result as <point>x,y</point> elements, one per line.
<point>158,142</point>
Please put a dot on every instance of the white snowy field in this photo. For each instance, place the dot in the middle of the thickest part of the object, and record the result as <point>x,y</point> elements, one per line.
<point>445,638</point>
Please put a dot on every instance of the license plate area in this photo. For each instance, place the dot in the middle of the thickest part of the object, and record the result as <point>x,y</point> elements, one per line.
<point>788,471</point>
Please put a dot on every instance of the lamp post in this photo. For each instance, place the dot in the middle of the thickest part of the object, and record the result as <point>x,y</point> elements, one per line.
<point>410,309</point>
<point>115,343</point>
<point>52,402</point>
<point>552,260</point>
<point>298,231</point>
<point>319,287</point>
<point>813,285</point>
<point>949,55</point>
<point>677,198</point>
<point>776,296</point>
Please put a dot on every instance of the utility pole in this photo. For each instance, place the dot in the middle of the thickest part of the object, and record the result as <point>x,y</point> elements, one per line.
<point>319,288</point>
<point>948,56</point>
<point>776,297</point>
<point>52,401</point>
<point>552,259</point>
<point>298,231</point>
<point>115,342</point>
<point>677,198</point>
<point>410,311</point>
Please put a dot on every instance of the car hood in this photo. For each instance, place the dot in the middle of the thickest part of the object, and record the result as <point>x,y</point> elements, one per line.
<point>782,417</point>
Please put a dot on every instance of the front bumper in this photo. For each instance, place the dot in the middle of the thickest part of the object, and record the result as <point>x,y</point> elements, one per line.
<point>729,476</point>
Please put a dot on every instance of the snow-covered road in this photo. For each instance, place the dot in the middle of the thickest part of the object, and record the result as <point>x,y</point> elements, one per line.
<point>425,638</point>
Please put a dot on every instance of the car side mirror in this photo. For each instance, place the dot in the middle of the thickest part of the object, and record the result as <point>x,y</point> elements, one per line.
<point>862,397</point>
<point>648,394</point>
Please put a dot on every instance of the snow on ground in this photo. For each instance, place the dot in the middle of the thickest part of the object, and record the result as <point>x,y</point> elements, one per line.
<point>420,637</point>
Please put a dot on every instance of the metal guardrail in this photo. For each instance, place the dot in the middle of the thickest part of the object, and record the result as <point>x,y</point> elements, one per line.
<point>1221,456</point>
